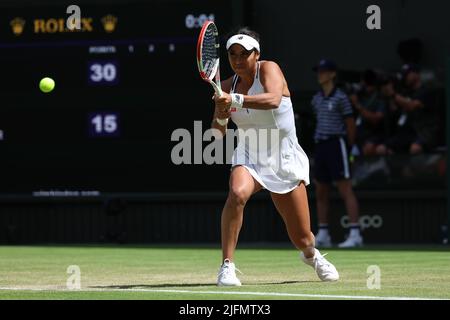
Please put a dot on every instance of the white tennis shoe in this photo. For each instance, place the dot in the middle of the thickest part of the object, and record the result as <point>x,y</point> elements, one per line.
<point>324,269</point>
<point>227,274</point>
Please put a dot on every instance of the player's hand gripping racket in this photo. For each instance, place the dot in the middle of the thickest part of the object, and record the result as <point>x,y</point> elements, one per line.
<point>208,58</point>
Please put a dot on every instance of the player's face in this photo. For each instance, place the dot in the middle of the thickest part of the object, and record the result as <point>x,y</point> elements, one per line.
<point>241,60</point>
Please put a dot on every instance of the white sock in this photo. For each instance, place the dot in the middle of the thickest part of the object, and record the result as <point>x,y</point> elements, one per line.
<point>354,232</point>
<point>323,232</point>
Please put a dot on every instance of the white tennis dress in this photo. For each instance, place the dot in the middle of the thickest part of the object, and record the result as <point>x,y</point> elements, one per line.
<point>267,144</point>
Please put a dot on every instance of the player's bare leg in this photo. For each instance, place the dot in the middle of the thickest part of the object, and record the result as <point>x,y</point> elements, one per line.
<point>242,186</point>
<point>293,208</point>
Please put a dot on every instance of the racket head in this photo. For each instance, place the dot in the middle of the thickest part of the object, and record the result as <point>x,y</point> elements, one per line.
<point>208,52</point>
<point>208,58</point>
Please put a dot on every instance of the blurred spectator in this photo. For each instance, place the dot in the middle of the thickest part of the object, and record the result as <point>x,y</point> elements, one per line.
<point>371,113</point>
<point>416,126</point>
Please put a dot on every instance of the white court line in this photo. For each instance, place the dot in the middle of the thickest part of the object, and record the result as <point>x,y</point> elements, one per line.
<point>249,293</point>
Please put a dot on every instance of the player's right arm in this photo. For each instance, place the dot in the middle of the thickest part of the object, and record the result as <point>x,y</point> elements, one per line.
<point>220,113</point>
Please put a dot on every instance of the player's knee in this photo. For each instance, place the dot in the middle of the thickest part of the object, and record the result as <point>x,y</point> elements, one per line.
<point>238,196</point>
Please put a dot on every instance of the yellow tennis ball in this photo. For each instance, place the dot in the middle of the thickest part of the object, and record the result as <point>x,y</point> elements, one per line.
<point>47,84</point>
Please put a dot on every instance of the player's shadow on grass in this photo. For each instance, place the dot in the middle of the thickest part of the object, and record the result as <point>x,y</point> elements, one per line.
<point>184,285</point>
<point>153,286</point>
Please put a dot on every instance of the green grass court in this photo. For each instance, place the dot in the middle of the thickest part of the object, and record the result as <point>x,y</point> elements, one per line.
<point>177,273</point>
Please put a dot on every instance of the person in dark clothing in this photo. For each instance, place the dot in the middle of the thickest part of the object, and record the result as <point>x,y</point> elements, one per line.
<point>416,127</point>
<point>371,114</point>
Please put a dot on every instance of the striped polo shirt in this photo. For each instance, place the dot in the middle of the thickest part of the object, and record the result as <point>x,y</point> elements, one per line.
<point>330,113</point>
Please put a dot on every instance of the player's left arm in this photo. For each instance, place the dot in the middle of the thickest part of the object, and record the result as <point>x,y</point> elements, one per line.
<point>272,80</point>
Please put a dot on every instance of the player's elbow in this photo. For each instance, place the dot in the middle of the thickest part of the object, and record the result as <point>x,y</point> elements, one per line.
<point>273,105</point>
<point>275,101</point>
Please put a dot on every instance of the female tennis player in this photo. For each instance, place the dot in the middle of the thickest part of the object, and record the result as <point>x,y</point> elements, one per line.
<point>256,98</point>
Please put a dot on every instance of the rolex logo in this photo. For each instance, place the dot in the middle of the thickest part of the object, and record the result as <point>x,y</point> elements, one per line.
<point>109,23</point>
<point>17,25</point>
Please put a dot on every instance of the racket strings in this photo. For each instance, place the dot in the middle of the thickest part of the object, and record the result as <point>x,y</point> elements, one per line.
<point>210,52</point>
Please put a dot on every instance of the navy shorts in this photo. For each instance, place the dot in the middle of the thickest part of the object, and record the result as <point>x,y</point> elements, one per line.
<point>331,160</point>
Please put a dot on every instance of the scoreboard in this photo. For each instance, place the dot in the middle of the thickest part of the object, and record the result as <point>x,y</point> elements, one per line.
<point>125,80</point>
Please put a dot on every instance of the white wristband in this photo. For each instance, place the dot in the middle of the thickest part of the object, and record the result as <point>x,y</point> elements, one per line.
<point>237,100</point>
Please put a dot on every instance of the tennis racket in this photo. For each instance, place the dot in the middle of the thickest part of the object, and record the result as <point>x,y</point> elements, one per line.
<point>208,58</point>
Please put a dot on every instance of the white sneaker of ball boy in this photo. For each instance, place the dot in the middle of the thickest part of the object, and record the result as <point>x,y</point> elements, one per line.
<point>325,270</point>
<point>323,239</point>
<point>353,240</point>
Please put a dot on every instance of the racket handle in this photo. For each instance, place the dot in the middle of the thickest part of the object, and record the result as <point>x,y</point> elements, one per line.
<point>218,90</point>
<point>222,122</point>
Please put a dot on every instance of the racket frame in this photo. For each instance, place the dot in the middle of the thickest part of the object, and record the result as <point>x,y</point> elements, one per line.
<point>216,73</point>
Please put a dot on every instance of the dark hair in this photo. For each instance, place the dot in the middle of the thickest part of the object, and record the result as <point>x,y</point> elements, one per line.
<point>243,30</point>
